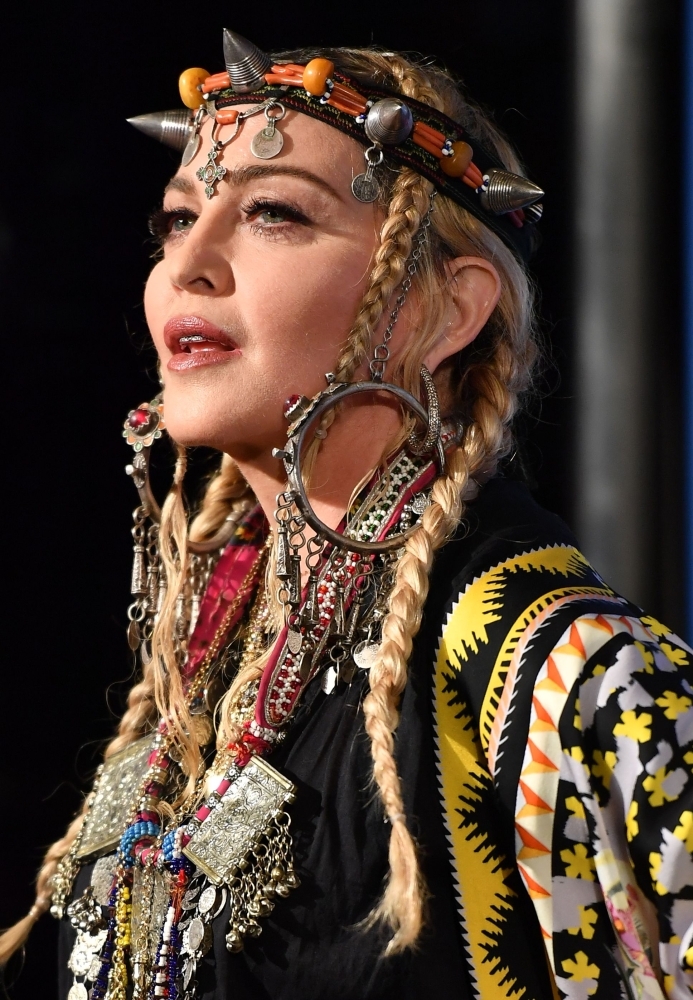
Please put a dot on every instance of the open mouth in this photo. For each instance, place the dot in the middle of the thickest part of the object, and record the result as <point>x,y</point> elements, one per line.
<point>196,343</point>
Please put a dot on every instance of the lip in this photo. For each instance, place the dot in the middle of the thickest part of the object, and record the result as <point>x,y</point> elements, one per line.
<point>203,334</point>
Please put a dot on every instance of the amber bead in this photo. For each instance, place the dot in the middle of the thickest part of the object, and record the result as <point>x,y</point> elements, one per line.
<point>456,165</point>
<point>188,82</point>
<point>315,76</point>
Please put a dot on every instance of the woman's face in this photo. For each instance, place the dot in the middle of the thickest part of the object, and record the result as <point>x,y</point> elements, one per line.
<point>259,285</point>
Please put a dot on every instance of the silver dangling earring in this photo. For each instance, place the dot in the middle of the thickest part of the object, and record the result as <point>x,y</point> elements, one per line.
<point>141,429</point>
<point>422,446</point>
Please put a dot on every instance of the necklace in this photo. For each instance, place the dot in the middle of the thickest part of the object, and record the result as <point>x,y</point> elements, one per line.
<point>229,854</point>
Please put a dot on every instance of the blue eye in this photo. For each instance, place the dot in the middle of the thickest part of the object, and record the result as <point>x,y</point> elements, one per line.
<point>181,224</point>
<point>166,222</point>
<point>271,213</point>
<point>271,216</point>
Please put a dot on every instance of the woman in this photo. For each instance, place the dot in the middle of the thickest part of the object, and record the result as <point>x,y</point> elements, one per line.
<point>394,737</point>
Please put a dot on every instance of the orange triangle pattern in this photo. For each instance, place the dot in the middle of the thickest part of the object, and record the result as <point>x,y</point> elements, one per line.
<point>538,785</point>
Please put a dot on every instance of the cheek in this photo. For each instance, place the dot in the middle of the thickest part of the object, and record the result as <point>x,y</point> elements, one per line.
<point>308,305</point>
<point>155,295</point>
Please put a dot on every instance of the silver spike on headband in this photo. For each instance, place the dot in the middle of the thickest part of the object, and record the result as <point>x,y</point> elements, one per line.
<point>246,64</point>
<point>173,128</point>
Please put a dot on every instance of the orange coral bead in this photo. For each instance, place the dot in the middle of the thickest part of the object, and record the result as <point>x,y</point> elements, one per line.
<point>456,165</point>
<point>227,116</point>
<point>315,76</point>
<point>188,82</point>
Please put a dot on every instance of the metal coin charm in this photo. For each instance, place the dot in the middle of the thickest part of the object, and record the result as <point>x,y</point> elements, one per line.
<point>189,901</point>
<point>365,188</point>
<point>80,959</point>
<point>267,143</point>
<point>207,899</point>
<point>196,934</point>
<point>188,973</point>
<point>78,992</point>
<point>102,878</point>
<point>191,149</point>
<point>294,641</point>
<point>364,654</point>
<point>94,968</point>
<point>329,681</point>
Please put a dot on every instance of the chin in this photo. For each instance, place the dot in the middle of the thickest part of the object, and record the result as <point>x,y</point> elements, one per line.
<point>192,423</point>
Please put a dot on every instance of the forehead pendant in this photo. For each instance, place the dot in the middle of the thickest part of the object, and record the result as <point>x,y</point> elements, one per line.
<point>269,141</point>
<point>212,172</point>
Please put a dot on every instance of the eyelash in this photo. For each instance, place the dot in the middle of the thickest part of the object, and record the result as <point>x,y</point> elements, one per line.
<point>161,220</point>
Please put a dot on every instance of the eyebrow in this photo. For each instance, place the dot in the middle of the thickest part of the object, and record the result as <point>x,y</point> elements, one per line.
<point>242,175</point>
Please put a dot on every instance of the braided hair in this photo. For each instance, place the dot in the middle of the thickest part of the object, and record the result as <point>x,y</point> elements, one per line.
<point>483,385</point>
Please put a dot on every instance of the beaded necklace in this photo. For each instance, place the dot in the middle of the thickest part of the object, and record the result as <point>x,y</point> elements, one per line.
<point>330,622</point>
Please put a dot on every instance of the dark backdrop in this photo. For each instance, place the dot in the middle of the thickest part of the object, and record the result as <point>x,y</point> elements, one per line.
<point>77,184</point>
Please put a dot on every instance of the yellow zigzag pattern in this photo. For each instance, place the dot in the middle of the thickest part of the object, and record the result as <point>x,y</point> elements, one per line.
<point>462,770</point>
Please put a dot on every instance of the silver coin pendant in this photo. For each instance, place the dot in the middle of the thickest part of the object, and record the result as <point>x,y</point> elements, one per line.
<point>294,641</point>
<point>268,142</point>
<point>196,934</point>
<point>78,992</point>
<point>365,188</point>
<point>207,899</point>
<point>364,655</point>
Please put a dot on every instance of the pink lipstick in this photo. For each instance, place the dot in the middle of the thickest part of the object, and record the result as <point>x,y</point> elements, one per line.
<point>195,342</point>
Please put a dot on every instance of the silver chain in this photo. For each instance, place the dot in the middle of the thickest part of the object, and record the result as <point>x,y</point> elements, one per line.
<point>381,353</point>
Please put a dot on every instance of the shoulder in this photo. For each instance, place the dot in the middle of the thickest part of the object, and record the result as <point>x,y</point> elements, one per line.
<point>503,591</point>
<point>508,563</point>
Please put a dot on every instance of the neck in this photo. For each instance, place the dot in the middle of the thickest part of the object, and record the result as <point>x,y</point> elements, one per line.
<point>355,444</point>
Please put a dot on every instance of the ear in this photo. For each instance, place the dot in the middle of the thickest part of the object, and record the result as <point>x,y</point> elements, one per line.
<point>473,290</point>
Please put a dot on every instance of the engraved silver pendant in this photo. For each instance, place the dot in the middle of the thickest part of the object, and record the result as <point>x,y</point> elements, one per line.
<point>268,142</point>
<point>364,654</point>
<point>365,187</point>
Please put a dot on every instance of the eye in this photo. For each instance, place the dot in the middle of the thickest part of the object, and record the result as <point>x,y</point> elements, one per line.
<point>165,223</point>
<point>181,223</point>
<point>267,214</point>
<point>271,215</point>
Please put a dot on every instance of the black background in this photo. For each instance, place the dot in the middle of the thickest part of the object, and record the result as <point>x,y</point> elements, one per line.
<point>77,184</point>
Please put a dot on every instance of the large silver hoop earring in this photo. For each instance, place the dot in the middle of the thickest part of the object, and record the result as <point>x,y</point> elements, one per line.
<point>309,412</point>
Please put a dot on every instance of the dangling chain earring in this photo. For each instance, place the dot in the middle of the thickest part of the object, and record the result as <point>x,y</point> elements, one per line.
<point>141,429</point>
<point>381,353</point>
<point>294,510</point>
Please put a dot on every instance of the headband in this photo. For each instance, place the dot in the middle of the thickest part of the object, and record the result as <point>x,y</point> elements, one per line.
<point>392,127</point>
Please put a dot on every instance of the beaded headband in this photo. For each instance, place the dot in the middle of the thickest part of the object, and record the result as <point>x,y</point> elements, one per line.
<point>399,129</point>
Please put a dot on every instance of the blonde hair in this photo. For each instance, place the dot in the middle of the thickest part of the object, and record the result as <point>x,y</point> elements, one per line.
<point>483,386</point>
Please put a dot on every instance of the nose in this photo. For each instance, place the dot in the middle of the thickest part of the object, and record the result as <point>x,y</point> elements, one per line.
<point>202,263</point>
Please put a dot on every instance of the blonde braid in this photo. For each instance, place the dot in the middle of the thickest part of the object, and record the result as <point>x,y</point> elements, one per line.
<point>485,395</point>
<point>485,440</point>
<point>488,393</point>
<point>409,203</point>
<point>141,714</point>
<point>224,493</point>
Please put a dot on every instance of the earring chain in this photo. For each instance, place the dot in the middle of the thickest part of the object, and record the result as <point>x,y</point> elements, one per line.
<point>381,354</point>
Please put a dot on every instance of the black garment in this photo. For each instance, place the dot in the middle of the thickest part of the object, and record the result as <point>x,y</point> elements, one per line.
<point>310,947</point>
